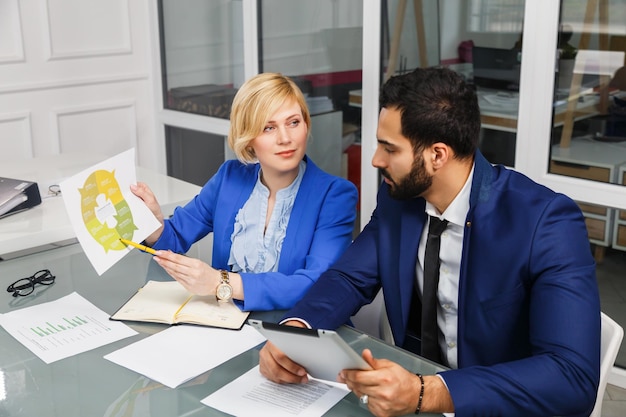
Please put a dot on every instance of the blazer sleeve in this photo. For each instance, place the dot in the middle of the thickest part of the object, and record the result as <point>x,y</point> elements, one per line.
<point>193,221</point>
<point>349,284</point>
<point>561,372</point>
<point>319,231</point>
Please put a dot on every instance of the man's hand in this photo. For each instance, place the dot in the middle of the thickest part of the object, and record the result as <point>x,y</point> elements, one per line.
<point>394,391</point>
<point>277,367</point>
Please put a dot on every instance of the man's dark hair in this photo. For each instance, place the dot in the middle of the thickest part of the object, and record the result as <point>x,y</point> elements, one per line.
<point>436,106</point>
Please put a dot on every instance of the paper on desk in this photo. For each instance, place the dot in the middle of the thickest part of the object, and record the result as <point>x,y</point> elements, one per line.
<point>180,353</point>
<point>62,328</point>
<point>502,101</point>
<point>102,209</point>
<point>253,395</point>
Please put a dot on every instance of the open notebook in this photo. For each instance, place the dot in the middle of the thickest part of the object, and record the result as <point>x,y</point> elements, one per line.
<point>170,303</point>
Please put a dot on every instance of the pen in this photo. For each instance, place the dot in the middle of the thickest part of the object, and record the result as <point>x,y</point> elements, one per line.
<point>138,246</point>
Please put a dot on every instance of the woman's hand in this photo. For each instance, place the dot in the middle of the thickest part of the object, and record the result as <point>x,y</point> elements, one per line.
<point>195,275</point>
<point>144,192</point>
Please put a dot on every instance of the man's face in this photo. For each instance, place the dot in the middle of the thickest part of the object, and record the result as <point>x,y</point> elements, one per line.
<point>404,172</point>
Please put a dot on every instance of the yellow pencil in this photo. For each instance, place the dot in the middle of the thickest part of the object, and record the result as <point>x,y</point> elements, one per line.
<point>138,246</point>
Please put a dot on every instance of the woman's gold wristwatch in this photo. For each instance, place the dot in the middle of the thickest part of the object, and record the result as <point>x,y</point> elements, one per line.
<point>224,291</point>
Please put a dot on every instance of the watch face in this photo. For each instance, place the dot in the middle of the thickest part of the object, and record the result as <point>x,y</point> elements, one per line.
<point>224,292</point>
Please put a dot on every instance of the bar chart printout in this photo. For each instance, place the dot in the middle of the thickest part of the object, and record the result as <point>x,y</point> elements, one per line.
<point>62,328</point>
<point>68,330</point>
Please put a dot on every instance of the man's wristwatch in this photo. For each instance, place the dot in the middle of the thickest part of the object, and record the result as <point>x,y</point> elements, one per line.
<point>224,291</point>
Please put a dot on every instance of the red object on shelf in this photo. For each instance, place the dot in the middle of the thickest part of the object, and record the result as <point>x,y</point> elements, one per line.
<point>354,168</point>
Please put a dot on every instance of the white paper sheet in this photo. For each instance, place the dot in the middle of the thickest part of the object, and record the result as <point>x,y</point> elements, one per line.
<point>253,395</point>
<point>180,353</point>
<point>102,209</point>
<point>62,328</point>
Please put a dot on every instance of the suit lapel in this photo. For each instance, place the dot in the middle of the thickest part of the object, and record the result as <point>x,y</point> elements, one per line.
<point>298,217</point>
<point>300,213</point>
<point>411,225</point>
<point>231,199</point>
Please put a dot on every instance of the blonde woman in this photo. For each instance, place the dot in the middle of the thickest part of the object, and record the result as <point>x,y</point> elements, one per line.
<point>278,221</point>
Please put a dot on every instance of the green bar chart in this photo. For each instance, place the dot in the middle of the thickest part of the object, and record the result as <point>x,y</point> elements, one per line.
<point>65,324</point>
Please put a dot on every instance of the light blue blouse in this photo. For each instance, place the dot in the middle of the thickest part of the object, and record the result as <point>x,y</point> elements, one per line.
<point>253,248</point>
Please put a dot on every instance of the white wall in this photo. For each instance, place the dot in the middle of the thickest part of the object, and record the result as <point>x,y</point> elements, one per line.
<point>75,75</point>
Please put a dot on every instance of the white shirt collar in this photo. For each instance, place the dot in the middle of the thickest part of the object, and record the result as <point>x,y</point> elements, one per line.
<point>456,212</point>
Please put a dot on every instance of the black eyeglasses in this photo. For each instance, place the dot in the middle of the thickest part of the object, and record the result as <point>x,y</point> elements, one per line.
<point>26,286</point>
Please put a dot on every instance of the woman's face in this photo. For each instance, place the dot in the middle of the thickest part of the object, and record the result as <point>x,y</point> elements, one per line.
<point>282,144</point>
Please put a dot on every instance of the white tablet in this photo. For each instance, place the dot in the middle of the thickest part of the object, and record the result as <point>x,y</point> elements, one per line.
<point>323,353</point>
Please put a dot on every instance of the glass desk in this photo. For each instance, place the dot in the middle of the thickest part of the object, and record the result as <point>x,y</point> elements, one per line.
<point>89,385</point>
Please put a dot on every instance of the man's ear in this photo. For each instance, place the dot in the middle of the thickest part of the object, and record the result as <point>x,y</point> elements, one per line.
<point>440,153</point>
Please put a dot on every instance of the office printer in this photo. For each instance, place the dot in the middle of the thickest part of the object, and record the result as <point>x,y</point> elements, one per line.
<point>17,195</point>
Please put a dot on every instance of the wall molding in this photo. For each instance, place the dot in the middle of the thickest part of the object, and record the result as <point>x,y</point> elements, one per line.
<point>58,113</point>
<point>12,59</point>
<point>54,54</point>
<point>23,118</point>
<point>18,55</point>
<point>75,82</point>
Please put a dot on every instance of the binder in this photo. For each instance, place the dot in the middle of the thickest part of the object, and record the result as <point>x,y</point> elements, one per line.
<point>17,195</point>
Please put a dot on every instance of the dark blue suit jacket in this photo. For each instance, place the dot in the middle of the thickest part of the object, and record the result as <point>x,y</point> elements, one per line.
<point>529,310</point>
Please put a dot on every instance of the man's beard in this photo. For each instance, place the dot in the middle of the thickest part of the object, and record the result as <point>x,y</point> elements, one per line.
<point>412,184</point>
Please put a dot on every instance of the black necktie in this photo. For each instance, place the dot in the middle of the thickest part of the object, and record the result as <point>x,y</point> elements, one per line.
<point>430,343</point>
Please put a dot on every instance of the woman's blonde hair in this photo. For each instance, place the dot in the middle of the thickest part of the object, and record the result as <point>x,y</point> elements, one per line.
<point>255,102</point>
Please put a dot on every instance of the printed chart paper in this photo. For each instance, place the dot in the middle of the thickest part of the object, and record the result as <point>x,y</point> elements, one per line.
<point>63,328</point>
<point>102,209</point>
<point>253,395</point>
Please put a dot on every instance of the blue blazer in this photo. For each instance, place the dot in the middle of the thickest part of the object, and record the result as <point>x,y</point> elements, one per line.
<point>320,229</point>
<point>528,307</point>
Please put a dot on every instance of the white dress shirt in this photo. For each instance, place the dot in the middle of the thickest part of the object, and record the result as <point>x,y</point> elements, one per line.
<point>450,269</point>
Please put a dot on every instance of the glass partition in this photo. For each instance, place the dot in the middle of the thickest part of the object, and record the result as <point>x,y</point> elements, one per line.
<point>590,89</point>
<point>480,39</point>
<point>487,51</point>
<point>201,54</point>
<point>588,138</point>
<point>319,45</point>
<point>589,117</point>
<point>411,36</point>
<point>194,156</point>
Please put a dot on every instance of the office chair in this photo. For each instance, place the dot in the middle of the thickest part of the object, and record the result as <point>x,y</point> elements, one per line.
<point>612,335</point>
<point>368,318</point>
